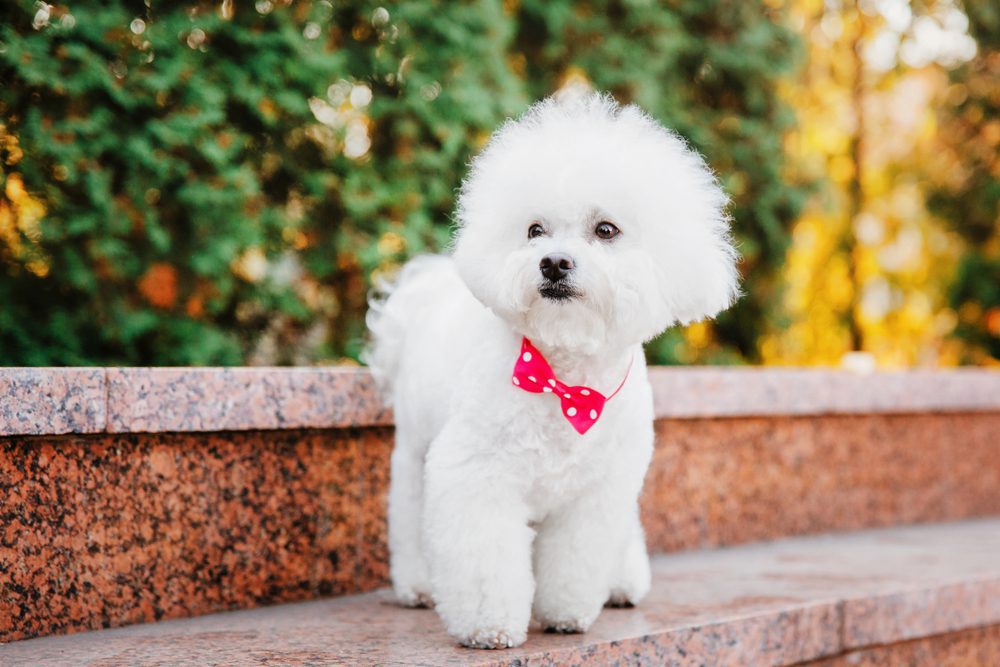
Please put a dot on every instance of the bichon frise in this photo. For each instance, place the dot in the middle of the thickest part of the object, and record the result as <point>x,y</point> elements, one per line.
<point>524,416</point>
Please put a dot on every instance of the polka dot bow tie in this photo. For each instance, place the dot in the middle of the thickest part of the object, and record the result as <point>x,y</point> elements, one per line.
<point>582,406</point>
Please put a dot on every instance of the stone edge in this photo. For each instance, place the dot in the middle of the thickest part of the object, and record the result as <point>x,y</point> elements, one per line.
<point>52,401</point>
<point>799,633</point>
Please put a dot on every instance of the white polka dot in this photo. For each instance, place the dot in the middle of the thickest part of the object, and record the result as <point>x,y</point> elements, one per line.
<point>585,392</point>
<point>552,382</point>
<point>571,412</point>
<point>567,396</point>
<point>516,381</point>
<point>526,356</point>
<point>548,389</point>
<point>593,414</point>
<point>532,378</point>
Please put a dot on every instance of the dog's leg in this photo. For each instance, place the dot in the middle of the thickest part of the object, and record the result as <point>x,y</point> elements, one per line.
<point>479,550</point>
<point>631,581</point>
<point>576,554</point>
<point>407,565</point>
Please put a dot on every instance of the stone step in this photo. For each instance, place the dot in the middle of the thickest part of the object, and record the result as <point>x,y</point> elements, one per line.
<point>908,595</point>
<point>138,495</point>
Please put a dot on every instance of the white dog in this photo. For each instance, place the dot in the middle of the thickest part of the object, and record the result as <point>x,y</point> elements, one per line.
<point>585,229</point>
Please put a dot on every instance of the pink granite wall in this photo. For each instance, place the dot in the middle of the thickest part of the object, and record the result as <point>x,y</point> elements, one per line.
<point>102,531</point>
<point>726,481</point>
<point>105,530</point>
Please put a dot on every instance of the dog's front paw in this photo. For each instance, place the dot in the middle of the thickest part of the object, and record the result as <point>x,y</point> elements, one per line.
<point>493,638</point>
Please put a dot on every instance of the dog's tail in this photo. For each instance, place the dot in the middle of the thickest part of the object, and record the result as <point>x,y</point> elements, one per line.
<point>389,315</point>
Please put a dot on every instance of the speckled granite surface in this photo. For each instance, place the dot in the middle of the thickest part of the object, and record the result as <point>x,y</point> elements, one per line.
<point>229,399</point>
<point>127,400</point>
<point>107,530</point>
<point>52,400</point>
<point>979,647</point>
<point>727,481</point>
<point>779,604</point>
<point>746,391</point>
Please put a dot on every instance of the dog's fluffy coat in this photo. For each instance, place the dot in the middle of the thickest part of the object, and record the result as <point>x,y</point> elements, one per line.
<point>498,509</point>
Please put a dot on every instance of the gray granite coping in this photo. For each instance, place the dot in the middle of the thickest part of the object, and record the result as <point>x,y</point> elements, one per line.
<point>37,401</point>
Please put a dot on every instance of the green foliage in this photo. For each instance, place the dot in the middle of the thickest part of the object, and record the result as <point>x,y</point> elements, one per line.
<point>968,190</point>
<point>221,186</point>
<point>168,141</point>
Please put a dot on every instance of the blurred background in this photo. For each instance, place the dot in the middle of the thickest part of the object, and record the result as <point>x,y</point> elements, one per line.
<point>193,183</point>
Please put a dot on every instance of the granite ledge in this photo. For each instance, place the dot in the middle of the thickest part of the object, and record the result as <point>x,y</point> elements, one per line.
<point>742,391</point>
<point>129,400</point>
<point>50,401</point>
<point>780,603</point>
<point>238,399</point>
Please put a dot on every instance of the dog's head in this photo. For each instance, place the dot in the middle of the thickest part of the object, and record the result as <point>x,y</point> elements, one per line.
<point>585,224</point>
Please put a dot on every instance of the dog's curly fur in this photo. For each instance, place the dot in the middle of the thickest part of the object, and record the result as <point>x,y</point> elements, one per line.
<point>498,509</point>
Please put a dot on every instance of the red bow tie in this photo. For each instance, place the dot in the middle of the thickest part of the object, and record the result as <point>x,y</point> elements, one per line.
<point>582,406</point>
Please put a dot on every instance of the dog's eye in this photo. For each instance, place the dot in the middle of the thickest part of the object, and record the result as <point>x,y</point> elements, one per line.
<point>605,230</point>
<point>535,231</point>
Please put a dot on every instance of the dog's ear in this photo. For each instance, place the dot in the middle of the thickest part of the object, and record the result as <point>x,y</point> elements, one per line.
<point>475,263</point>
<point>486,208</point>
<point>685,223</point>
<point>480,232</point>
<point>701,282</point>
<point>698,277</point>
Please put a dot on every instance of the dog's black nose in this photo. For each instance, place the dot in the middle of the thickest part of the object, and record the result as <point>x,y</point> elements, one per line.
<point>556,266</point>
